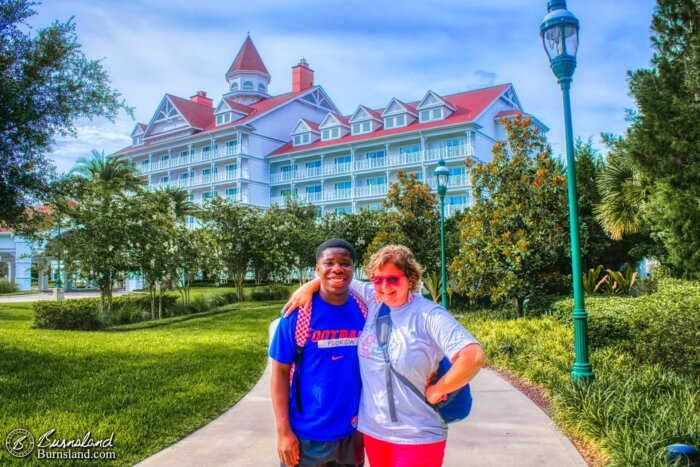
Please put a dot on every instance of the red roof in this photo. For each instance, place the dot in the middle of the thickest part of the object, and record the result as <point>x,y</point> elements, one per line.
<point>509,113</point>
<point>143,126</point>
<point>310,124</point>
<point>469,105</point>
<point>254,111</point>
<point>237,106</point>
<point>198,115</point>
<point>248,59</point>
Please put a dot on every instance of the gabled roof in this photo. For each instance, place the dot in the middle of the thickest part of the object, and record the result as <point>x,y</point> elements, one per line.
<point>248,59</point>
<point>257,110</point>
<point>368,114</point>
<point>139,129</point>
<point>396,106</point>
<point>332,119</point>
<point>432,99</point>
<point>305,126</point>
<point>516,112</point>
<point>227,104</point>
<point>197,115</point>
<point>468,107</point>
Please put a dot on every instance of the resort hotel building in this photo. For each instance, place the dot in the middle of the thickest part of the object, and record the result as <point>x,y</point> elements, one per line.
<point>259,149</point>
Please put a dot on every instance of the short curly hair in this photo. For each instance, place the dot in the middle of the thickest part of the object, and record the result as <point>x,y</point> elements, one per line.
<point>399,256</point>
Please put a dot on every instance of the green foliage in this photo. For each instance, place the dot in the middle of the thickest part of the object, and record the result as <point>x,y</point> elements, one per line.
<point>46,83</point>
<point>659,328</point>
<point>270,293</point>
<point>412,219</point>
<point>433,284</point>
<point>76,315</point>
<point>631,410</point>
<point>591,284</point>
<point>509,248</point>
<point>359,229</point>
<point>85,314</point>
<point>622,283</point>
<point>663,143</point>
<point>7,286</point>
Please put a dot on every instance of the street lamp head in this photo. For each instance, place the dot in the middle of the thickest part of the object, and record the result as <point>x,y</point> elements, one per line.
<point>559,32</point>
<point>442,175</point>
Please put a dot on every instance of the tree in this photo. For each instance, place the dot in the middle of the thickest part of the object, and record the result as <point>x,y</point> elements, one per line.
<point>233,227</point>
<point>517,230</point>
<point>412,219</point>
<point>663,142</point>
<point>304,236</point>
<point>102,214</point>
<point>46,83</point>
<point>359,229</point>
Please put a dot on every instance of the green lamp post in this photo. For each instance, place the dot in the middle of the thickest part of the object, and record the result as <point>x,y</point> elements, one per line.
<point>559,31</point>
<point>442,175</point>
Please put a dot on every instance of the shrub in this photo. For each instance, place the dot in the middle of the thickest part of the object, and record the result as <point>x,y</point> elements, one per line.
<point>278,292</point>
<point>78,315</point>
<point>661,327</point>
<point>86,313</point>
<point>7,286</point>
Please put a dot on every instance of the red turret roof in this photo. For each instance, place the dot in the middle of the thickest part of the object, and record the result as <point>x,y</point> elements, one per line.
<point>248,59</point>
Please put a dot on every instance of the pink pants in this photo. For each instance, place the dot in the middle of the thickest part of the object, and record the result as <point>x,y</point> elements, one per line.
<point>386,454</point>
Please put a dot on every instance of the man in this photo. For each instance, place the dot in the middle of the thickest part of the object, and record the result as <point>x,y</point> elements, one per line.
<point>316,414</point>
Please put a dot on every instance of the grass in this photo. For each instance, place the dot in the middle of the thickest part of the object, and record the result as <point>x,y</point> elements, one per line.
<point>628,414</point>
<point>149,383</point>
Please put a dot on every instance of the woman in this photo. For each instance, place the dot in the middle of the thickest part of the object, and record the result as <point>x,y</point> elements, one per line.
<point>422,333</point>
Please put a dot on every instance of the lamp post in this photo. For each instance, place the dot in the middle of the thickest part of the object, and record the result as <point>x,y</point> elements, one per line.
<point>559,31</point>
<point>442,175</point>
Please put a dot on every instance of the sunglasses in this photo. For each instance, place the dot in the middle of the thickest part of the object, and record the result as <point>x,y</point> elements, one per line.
<point>390,280</point>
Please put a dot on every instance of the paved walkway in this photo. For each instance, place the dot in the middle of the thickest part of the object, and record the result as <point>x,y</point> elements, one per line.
<point>48,295</point>
<point>505,428</point>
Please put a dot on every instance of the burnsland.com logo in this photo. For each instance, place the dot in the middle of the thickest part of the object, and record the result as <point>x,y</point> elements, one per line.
<point>19,442</point>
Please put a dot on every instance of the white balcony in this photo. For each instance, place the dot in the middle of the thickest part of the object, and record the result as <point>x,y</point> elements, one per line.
<point>334,169</point>
<point>238,198</point>
<point>336,195</point>
<point>194,158</point>
<point>435,154</point>
<point>280,177</point>
<point>374,163</point>
<point>371,190</point>
<point>209,179</point>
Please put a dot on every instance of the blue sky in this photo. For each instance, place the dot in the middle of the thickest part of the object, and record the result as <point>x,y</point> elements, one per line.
<point>363,52</point>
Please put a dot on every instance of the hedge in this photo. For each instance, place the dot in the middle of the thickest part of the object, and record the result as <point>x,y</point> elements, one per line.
<point>659,328</point>
<point>84,314</point>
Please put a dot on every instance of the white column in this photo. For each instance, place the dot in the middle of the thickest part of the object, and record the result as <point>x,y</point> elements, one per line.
<point>43,279</point>
<point>23,263</point>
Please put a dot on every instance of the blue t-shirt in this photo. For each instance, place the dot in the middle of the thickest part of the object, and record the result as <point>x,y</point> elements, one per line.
<point>330,372</point>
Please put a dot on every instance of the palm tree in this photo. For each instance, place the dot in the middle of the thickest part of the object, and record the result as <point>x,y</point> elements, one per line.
<point>623,192</point>
<point>113,173</point>
<point>182,206</point>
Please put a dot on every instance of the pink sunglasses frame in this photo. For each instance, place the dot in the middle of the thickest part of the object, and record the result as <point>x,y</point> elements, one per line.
<point>381,280</point>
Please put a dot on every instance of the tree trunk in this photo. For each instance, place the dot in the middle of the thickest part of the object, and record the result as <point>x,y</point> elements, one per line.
<point>519,302</point>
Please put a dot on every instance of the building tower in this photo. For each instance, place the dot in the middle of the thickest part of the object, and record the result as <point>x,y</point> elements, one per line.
<point>247,77</point>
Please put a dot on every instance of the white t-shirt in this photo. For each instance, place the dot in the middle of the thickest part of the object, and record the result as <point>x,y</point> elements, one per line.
<point>422,334</point>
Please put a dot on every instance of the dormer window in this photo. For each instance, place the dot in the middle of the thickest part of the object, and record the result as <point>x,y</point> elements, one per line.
<point>223,119</point>
<point>395,121</point>
<point>361,127</point>
<point>431,115</point>
<point>248,86</point>
<point>330,133</point>
<point>261,87</point>
<point>304,138</point>
<point>333,126</point>
<point>137,140</point>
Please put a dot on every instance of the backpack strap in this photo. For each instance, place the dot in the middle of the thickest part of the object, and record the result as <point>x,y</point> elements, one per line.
<point>301,336</point>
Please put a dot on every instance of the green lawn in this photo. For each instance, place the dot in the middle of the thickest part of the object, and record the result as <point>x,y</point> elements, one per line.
<point>150,383</point>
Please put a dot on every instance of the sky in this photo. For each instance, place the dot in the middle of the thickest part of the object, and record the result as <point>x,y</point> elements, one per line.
<point>362,52</point>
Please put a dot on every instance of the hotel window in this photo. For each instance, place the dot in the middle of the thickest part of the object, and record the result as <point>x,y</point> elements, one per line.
<point>231,192</point>
<point>303,138</point>
<point>231,170</point>
<point>313,168</point>
<point>343,186</point>
<point>414,149</point>
<point>376,154</point>
<point>361,127</point>
<point>313,189</point>
<point>144,163</point>
<point>389,122</point>
<point>452,147</point>
<point>223,118</point>
<point>164,158</point>
<point>400,120</point>
<point>234,86</point>
<point>231,147</point>
<point>205,152</point>
<point>183,154</point>
<point>248,86</point>
<point>326,134</point>
<point>208,194</point>
<point>163,179</point>
<point>343,160</point>
<point>335,133</point>
<point>452,200</point>
<point>261,87</point>
<point>431,114</point>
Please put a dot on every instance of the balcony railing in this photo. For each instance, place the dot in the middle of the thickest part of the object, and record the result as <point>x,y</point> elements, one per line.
<point>390,161</point>
<point>238,197</point>
<point>193,158</point>
<point>452,209</point>
<point>455,181</point>
<point>225,176</point>
<point>371,190</point>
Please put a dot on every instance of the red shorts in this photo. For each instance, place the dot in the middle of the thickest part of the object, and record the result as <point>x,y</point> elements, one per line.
<point>386,454</point>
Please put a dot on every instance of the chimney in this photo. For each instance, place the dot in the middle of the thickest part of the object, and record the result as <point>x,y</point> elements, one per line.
<point>302,76</point>
<point>201,98</point>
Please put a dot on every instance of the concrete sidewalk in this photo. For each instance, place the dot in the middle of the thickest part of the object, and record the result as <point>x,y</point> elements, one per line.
<point>505,428</point>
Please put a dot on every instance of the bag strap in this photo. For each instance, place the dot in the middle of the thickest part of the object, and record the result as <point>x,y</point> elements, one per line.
<point>384,321</point>
<point>301,336</point>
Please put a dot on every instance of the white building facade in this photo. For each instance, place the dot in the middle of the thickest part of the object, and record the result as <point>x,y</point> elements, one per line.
<point>258,149</point>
